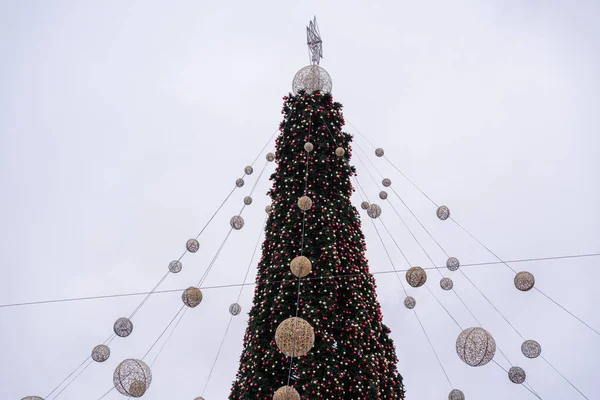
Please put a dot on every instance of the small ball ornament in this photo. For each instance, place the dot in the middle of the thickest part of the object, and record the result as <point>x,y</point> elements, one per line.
<point>270,157</point>
<point>237,222</point>
<point>199,398</point>
<point>308,146</point>
<point>305,203</point>
<point>100,353</point>
<point>364,205</point>
<point>386,182</point>
<point>443,213</point>
<point>32,398</point>
<point>475,346</point>
<point>239,182</point>
<point>416,276</point>
<point>340,152</point>
<point>175,266</point>
<point>301,266</point>
<point>524,281</point>
<point>123,327</point>
<point>383,195</point>
<point>374,211</point>
<point>410,302</point>
<point>286,393</point>
<point>132,378</point>
<point>294,337</point>
<point>446,283</point>
<point>452,263</point>
<point>247,200</point>
<point>516,375</point>
<point>248,170</point>
<point>379,152</point>
<point>531,349</point>
<point>191,296</point>
<point>268,209</point>
<point>192,245</point>
<point>456,394</point>
<point>235,309</point>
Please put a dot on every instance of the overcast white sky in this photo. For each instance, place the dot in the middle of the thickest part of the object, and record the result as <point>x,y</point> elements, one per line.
<point>123,125</point>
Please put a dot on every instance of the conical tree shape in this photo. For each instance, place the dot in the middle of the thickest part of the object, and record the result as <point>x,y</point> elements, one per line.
<point>353,356</point>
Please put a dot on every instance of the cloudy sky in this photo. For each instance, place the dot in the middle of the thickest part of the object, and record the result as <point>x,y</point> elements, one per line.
<point>123,126</point>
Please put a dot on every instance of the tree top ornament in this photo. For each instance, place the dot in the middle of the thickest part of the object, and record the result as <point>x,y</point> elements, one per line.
<point>313,78</point>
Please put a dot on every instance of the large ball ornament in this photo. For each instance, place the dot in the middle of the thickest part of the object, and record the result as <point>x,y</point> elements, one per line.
<point>32,398</point>
<point>443,213</point>
<point>386,182</point>
<point>416,276</point>
<point>268,209</point>
<point>132,378</point>
<point>236,222</point>
<point>374,211</point>
<point>100,353</point>
<point>301,266</point>
<point>383,195</point>
<point>475,346</point>
<point>446,283</point>
<point>286,393</point>
<point>340,152</point>
<point>308,146</point>
<point>312,78</point>
<point>191,296</point>
<point>379,152</point>
<point>123,327</point>
<point>410,302</point>
<point>516,375</point>
<point>452,263</point>
<point>239,182</point>
<point>524,281</point>
<point>305,203</point>
<point>192,245</point>
<point>248,170</point>
<point>456,394</point>
<point>364,205</point>
<point>199,398</point>
<point>247,200</point>
<point>270,157</point>
<point>235,309</point>
<point>294,337</point>
<point>175,266</point>
<point>531,349</point>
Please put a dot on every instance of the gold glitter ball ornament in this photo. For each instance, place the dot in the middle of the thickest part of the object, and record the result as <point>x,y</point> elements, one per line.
<point>248,170</point>
<point>475,346</point>
<point>416,276</point>
<point>456,394</point>
<point>192,245</point>
<point>386,182</point>
<point>286,393</point>
<point>132,378</point>
<point>295,337</point>
<point>308,146</point>
<point>379,152</point>
<point>443,213</point>
<point>531,349</point>
<point>270,157</point>
<point>100,353</point>
<point>191,296</point>
<point>524,281</point>
<point>301,266</point>
<point>237,222</point>
<point>374,211</point>
<point>305,203</point>
<point>516,375</point>
<point>340,152</point>
<point>410,302</point>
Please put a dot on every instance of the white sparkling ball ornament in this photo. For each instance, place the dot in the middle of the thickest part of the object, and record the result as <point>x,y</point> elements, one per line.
<point>239,182</point>
<point>452,263</point>
<point>516,375</point>
<point>446,283</point>
<point>175,266</point>
<point>248,170</point>
<point>192,245</point>
<point>374,211</point>
<point>235,309</point>
<point>100,353</point>
<point>410,302</point>
<point>268,209</point>
<point>123,327</point>
<point>247,200</point>
<point>456,394</point>
<point>383,195</point>
<point>312,78</point>
<point>443,213</point>
<point>379,152</point>
<point>524,281</point>
<point>237,222</point>
<point>386,182</point>
<point>475,346</point>
<point>531,349</point>
<point>308,146</point>
<point>364,205</point>
<point>270,157</point>
<point>132,378</point>
<point>32,398</point>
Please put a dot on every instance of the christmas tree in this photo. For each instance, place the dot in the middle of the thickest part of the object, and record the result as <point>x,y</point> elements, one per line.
<point>313,267</point>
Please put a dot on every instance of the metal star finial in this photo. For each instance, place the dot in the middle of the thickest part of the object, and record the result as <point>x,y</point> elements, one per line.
<point>314,42</point>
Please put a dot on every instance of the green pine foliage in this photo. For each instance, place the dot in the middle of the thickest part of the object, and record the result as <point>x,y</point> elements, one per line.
<point>353,356</point>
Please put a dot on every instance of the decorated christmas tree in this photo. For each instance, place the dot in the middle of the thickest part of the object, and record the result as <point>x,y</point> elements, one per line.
<point>315,329</point>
